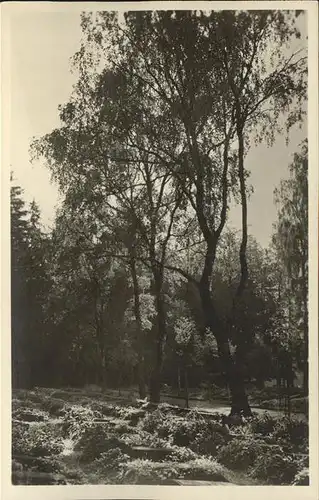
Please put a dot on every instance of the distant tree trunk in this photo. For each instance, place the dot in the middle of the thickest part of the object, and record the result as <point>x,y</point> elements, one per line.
<point>260,383</point>
<point>119,382</point>
<point>155,385</point>
<point>186,387</point>
<point>103,369</point>
<point>139,329</point>
<point>179,378</point>
<point>99,330</point>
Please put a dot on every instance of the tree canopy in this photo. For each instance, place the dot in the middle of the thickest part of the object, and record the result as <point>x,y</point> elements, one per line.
<point>150,152</point>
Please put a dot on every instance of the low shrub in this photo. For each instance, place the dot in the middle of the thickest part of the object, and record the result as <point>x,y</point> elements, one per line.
<point>110,460</point>
<point>33,398</point>
<point>77,419</point>
<point>153,421</point>
<point>292,430</point>
<point>208,444</point>
<point>106,409</point>
<point>17,403</point>
<point>97,440</point>
<point>204,468</point>
<point>35,441</point>
<point>16,466</point>
<point>182,454</point>
<point>143,438</point>
<point>29,414</point>
<point>182,432</point>
<point>301,478</point>
<point>122,428</point>
<point>240,454</point>
<point>131,414</point>
<point>194,431</point>
<point>141,471</point>
<point>55,407</point>
<point>274,468</point>
<point>302,460</point>
<point>263,424</point>
<point>42,464</point>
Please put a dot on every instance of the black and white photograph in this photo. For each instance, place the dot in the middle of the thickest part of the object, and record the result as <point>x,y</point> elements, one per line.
<point>159,248</point>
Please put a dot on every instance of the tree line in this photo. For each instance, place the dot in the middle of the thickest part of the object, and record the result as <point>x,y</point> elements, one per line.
<point>141,279</point>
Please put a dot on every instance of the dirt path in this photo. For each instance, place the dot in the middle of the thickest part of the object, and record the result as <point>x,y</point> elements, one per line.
<point>222,407</point>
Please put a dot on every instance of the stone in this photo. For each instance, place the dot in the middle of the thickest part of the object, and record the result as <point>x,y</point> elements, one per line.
<point>155,454</point>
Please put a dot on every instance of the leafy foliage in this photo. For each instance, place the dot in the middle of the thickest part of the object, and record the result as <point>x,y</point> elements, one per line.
<point>240,454</point>
<point>110,460</point>
<point>96,440</point>
<point>275,468</point>
<point>292,430</point>
<point>77,419</point>
<point>35,441</point>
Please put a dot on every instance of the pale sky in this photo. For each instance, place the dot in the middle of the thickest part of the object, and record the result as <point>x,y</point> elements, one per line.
<point>41,47</point>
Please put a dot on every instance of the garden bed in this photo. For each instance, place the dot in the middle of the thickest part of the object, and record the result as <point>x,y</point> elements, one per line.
<point>83,439</point>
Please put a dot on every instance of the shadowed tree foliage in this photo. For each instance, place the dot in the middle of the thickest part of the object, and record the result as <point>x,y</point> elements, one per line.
<point>291,243</point>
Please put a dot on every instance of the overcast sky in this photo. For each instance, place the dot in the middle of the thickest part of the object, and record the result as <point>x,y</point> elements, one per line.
<point>41,47</point>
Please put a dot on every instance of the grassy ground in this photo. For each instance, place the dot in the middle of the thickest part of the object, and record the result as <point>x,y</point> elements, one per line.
<point>85,437</point>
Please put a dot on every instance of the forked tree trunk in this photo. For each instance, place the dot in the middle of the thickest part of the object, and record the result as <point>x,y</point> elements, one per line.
<point>232,368</point>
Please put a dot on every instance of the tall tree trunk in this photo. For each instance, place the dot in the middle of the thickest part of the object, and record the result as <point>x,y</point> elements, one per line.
<point>155,385</point>
<point>139,329</point>
<point>99,330</point>
<point>232,368</point>
<point>243,196</point>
